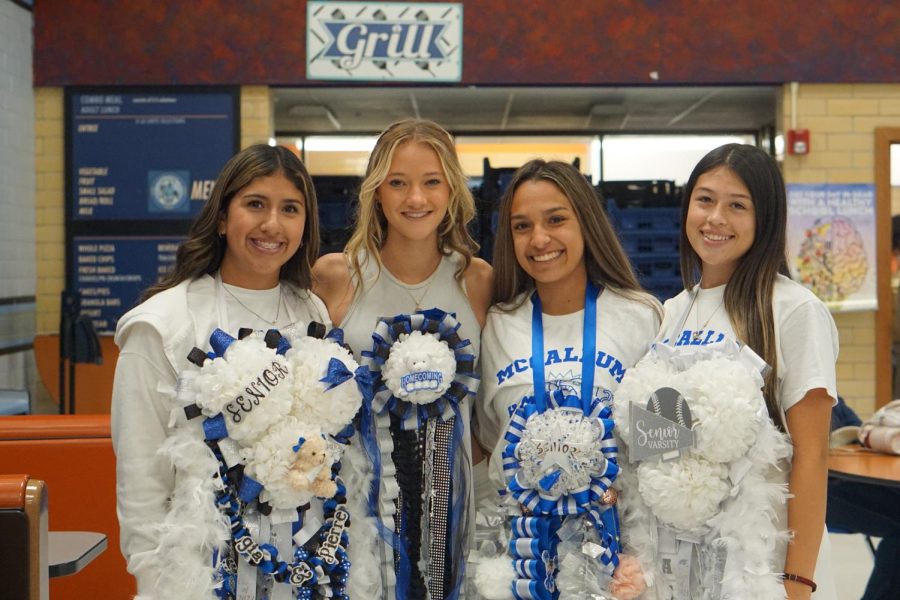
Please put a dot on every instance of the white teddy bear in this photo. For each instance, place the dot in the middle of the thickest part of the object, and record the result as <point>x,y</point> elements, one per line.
<point>420,368</point>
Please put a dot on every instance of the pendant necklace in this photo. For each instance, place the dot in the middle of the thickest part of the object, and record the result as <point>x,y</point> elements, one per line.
<point>698,330</point>
<point>250,310</point>
<point>421,298</point>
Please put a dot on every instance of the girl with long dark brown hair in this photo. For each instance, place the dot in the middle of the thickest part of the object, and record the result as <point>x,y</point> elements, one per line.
<point>246,263</point>
<point>733,263</point>
<point>570,317</point>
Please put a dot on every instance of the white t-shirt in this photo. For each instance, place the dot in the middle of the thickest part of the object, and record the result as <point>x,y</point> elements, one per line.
<point>807,349</point>
<point>625,330</point>
<point>805,334</point>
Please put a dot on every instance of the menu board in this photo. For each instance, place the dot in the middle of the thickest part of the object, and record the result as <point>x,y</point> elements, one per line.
<point>112,272</point>
<point>150,155</point>
<point>140,164</point>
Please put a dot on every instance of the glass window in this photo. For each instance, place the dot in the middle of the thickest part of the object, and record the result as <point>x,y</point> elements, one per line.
<point>666,157</point>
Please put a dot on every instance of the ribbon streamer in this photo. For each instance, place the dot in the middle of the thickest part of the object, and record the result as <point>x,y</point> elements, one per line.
<point>374,427</point>
<point>533,545</point>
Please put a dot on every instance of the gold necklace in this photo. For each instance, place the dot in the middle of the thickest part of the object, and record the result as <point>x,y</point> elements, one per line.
<point>698,331</point>
<point>247,308</point>
<point>419,300</point>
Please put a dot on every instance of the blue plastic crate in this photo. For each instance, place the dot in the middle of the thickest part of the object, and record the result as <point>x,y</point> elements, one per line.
<point>642,219</point>
<point>336,188</point>
<point>656,266</point>
<point>664,287</point>
<point>650,242</point>
<point>333,215</point>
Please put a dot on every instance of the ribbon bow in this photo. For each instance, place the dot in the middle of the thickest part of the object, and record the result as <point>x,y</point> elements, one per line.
<point>336,374</point>
<point>364,382</point>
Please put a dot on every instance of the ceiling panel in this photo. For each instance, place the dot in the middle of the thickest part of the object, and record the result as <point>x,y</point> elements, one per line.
<point>527,109</point>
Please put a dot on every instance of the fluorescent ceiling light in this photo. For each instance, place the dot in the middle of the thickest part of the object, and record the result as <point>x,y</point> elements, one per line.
<point>334,143</point>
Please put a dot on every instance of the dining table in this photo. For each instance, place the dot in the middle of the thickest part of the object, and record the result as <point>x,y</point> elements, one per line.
<point>71,551</point>
<point>853,462</point>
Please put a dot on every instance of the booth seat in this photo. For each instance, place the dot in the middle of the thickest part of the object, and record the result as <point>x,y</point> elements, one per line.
<point>73,455</point>
<point>23,538</point>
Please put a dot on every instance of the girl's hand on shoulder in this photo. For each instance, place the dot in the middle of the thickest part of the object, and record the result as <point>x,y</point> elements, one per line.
<point>479,279</point>
<point>332,283</point>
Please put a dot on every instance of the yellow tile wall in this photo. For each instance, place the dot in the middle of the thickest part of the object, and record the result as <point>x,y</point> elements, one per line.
<point>842,119</point>
<point>49,206</point>
<point>257,115</point>
<point>256,127</point>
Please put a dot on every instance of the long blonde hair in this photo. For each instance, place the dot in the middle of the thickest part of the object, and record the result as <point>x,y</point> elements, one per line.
<point>604,258</point>
<point>370,226</point>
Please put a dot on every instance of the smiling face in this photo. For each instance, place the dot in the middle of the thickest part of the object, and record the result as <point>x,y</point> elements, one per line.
<point>720,224</point>
<point>415,194</point>
<point>263,227</point>
<point>546,234</point>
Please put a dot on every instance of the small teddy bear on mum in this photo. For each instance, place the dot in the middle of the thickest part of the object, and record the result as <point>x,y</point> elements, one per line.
<point>311,470</point>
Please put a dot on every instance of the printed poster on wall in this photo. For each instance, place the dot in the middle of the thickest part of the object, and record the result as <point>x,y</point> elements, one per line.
<point>147,156</point>
<point>113,271</point>
<point>389,41</point>
<point>831,243</point>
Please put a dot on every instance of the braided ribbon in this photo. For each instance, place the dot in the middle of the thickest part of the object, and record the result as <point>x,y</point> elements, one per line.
<point>560,458</point>
<point>375,426</point>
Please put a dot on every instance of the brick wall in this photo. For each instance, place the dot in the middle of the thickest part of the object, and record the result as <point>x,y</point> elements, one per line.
<point>257,115</point>
<point>50,214</point>
<point>16,197</point>
<point>842,119</point>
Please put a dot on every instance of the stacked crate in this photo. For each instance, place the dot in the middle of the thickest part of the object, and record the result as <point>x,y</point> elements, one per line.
<point>647,217</point>
<point>337,196</point>
<point>487,206</point>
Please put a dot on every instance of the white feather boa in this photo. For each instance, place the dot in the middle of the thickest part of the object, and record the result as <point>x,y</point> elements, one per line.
<point>194,528</point>
<point>365,575</point>
<point>697,494</point>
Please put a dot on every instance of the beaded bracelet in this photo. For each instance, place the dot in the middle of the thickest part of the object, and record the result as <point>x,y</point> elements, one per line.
<point>799,579</point>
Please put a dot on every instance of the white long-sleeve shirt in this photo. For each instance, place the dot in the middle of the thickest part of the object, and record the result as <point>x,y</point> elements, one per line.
<point>154,340</point>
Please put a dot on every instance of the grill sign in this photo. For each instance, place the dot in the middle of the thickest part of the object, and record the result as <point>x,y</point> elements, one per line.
<point>395,41</point>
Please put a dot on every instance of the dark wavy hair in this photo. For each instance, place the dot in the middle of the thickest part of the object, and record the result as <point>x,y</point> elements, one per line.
<point>748,294</point>
<point>604,258</point>
<point>202,252</point>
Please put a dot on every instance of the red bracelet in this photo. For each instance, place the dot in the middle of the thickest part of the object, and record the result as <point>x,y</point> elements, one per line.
<point>799,579</point>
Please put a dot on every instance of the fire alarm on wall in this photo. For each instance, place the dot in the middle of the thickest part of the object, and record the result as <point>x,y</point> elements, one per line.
<point>798,141</point>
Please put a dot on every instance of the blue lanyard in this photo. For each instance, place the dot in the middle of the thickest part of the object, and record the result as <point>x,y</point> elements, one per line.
<point>588,349</point>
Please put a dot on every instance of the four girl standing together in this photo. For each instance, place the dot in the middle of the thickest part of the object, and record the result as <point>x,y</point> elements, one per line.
<point>559,276</point>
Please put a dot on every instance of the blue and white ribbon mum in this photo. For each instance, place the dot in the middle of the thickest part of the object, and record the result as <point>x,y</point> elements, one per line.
<point>561,461</point>
<point>415,410</point>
